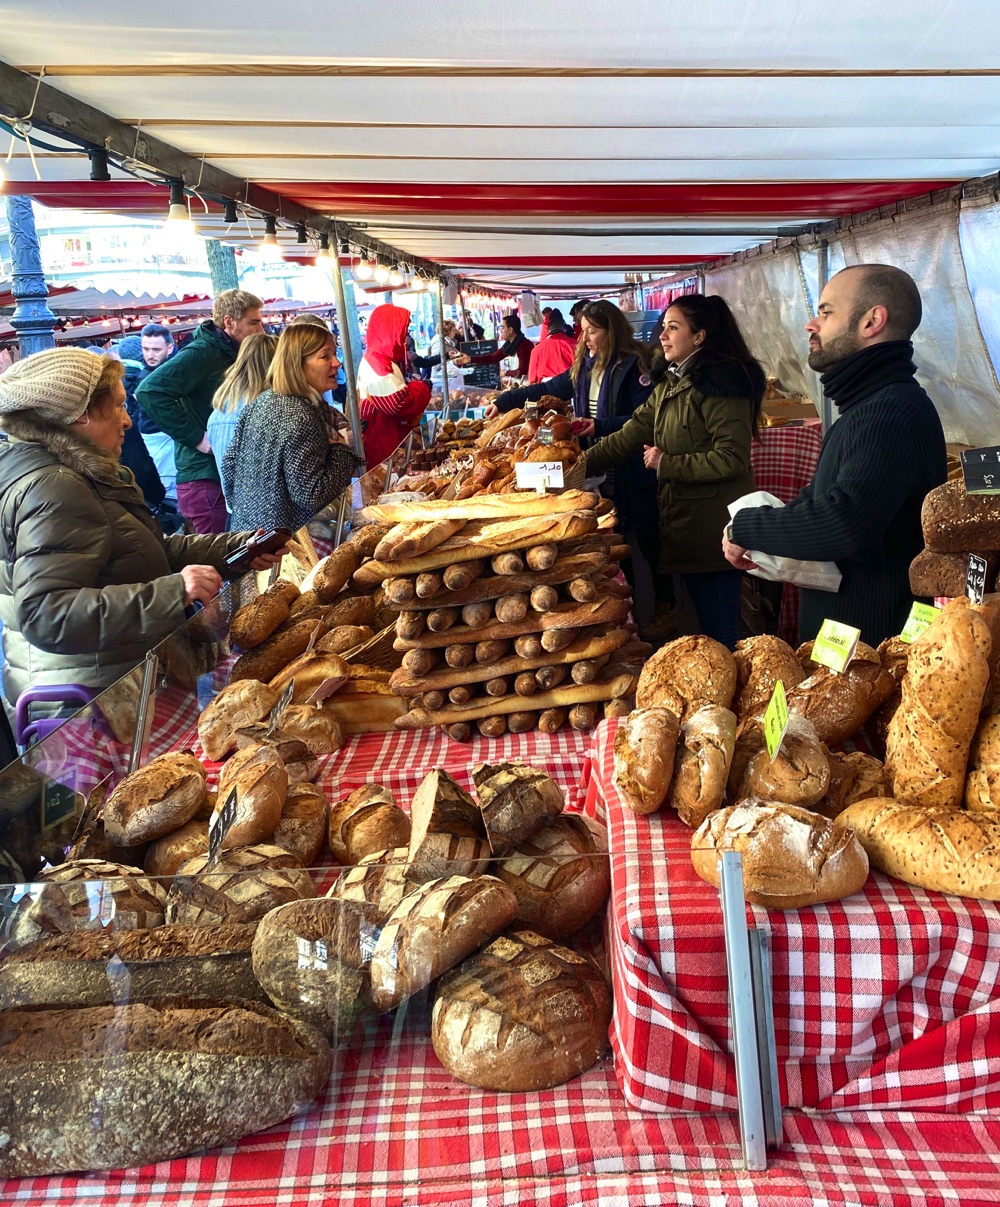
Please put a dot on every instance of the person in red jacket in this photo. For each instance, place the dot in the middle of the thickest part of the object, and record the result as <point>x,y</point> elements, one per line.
<point>553,354</point>
<point>390,406</point>
<point>515,344</point>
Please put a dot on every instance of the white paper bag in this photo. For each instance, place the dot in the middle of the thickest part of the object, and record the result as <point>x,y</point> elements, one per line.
<point>818,576</point>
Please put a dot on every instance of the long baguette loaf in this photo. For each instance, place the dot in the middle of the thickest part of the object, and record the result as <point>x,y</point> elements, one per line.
<point>483,538</point>
<point>481,507</point>
<point>494,585</point>
<point>610,610</point>
<point>407,540</point>
<point>590,645</point>
<point>490,706</point>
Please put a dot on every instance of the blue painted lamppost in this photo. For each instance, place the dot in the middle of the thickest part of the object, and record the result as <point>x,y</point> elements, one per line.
<point>33,321</point>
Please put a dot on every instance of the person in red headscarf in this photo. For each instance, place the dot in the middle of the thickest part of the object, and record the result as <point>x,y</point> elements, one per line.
<point>390,405</point>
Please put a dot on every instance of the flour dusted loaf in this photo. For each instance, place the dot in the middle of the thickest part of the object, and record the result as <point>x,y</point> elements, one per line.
<point>432,929</point>
<point>838,704</point>
<point>311,959</point>
<point>929,737</point>
<point>447,832</point>
<point>791,857</point>
<point>237,705</point>
<point>799,773</point>
<point>956,522</point>
<point>259,776</point>
<point>704,756</point>
<point>155,800</point>
<point>949,850</point>
<point>515,800</point>
<point>98,967</point>
<point>370,819</point>
<point>645,747</point>
<point>561,876</point>
<point>760,662</point>
<point>65,899</point>
<point>239,886</point>
<point>522,1014</point>
<point>379,881</point>
<point>697,670</point>
<point>171,1078</point>
<point>302,829</point>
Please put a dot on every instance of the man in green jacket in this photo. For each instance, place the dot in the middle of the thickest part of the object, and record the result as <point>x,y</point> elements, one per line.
<point>177,396</point>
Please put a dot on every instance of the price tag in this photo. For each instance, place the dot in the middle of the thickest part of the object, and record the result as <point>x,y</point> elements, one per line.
<point>546,435</point>
<point>283,702</point>
<point>537,475</point>
<point>835,645</point>
<point>975,578</point>
<point>775,720</point>
<point>981,470</point>
<point>221,824</point>
<point>921,615</point>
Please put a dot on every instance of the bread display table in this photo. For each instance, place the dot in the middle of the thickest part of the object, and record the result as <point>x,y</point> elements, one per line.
<point>886,999</point>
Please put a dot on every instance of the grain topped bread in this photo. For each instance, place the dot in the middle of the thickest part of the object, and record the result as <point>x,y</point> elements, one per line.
<point>258,619</point>
<point>522,1014</point>
<point>791,857</point>
<point>982,783</point>
<point>698,670</point>
<point>155,800</point>
<point>760,662</point>
<point>956,522</point>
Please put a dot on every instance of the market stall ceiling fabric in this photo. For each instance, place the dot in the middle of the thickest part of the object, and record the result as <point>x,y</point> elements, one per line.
<point>418,119</point>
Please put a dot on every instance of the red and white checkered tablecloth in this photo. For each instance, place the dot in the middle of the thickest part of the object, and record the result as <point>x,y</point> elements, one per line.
<point>885,999</point>
<point>784,461</point>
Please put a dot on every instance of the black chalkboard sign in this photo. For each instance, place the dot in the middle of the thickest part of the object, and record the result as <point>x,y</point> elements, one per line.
<point>483,377</point>
<point>221,825</point>
<point>981,470</point>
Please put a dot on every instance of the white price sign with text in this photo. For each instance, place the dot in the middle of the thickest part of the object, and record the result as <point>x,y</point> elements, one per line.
<point>537,475</point>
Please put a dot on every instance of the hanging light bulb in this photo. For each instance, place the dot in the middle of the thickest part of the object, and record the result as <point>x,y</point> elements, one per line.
<point>270,249</point>
<point>381,273</point>
<point>324,258</point>
<point>395,277</point>
<point>418,283</point>
<point>365,269</point>
<point>178,229</point>
<point>300,233</point>
<point>230,215</point>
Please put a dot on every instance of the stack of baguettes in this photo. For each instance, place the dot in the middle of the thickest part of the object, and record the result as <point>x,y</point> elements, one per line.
<point>510,616</point>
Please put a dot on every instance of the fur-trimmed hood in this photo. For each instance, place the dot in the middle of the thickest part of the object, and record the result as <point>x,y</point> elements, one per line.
<point>34,442</point>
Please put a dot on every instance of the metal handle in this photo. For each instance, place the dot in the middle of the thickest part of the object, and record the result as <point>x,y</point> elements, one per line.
<point>144,713</point>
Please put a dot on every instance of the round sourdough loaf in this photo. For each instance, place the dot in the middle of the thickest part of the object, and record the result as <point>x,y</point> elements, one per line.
<point>261,781</point>
<point>432,929</point>
<point>522,1014</point>
<point>799,774</point>
<point>561,876</point>
<point>515,801</point>
<point>94,967</point>
<point>234,707</point>
<point>368,820</point>
<point>302,828</point>
<point>379,880</point>
<point>166,854</point>
<point>760,662</point>
<point>240,886</point>
<point>86,894</point>
<point>791,857</point>
<point>171,1078</point>
<point>155,800</point>
<point>696,669</point>
<point>311,959</point>
<point>645,748</point>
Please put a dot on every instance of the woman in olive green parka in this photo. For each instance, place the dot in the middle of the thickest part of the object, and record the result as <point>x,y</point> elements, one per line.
<point>696,429</point>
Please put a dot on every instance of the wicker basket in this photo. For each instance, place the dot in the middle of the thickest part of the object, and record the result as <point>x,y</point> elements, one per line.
<point>377,651</point>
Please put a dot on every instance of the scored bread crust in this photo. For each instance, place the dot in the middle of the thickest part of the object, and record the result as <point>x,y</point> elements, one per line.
<point>645,746</point>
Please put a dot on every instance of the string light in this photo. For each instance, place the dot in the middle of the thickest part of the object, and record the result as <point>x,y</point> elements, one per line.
<point>381,273</point>
<point>270,249</point>
<point>365,269</point>
<point>395,278</point>
<point>324,257</point>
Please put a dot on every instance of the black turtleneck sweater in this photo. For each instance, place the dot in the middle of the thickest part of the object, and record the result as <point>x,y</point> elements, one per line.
<point>862,508</point>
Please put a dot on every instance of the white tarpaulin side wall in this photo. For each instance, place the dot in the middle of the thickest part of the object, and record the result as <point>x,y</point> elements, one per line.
<point>957,346</point>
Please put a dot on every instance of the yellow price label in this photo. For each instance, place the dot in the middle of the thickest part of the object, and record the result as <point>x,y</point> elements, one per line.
<point>835,645</point>
<point>921,615</point>
<point>775,720</point>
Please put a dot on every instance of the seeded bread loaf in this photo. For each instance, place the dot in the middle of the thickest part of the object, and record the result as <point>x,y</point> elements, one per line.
<point>696,669</point>
<point>760,662</point>
<point>956,522</point>
<point>258,619</point>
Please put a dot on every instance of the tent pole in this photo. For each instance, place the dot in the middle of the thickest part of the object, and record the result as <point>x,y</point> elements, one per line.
<point>823,275</point>
<point>465,313</point>
<point>445,399</point>
<point>349,339</point>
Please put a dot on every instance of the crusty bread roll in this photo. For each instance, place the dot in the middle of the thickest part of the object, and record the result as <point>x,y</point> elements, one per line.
<point>447,832</point>
<point>237,705</point>
<point>701,769</point>
<point>522,1014</point>
<point>434,928</point>
<point>330,575</point>
<point>799,774</point>
<point>258,774</point>
<point>933,574</point>
<point>64,900</point>
<point>94,967</point>
<point>344,637</point>
<point>216,1072</point>
<point>956,522</point>
<point>310,958</point>
<point>239,886</point>
<point>929,737</point>
<point>166,854</point>
<point>561,876</point>
<point>982,783</point>
<point>949,850</point>
<point>515,801</point>
<point>368,820</point>
<point>319,729</point>
<point>302,828</point>
<point>155,800</point>
<point>760,662</point>
<point>258,619</point>
<point>696,669</point>
<point>316,675</point>
<point>379,881</point>
<point>838,704</point>
<point>791,857</point>
<point>645,746</point>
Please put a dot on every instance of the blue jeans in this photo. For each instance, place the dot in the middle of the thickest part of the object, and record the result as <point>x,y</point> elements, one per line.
<point>716,599</point>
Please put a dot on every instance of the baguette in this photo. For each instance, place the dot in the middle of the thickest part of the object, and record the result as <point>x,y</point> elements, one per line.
<point>544,599</point>
<point>409,539</point>
<point>461,694</point>
<point>428,584</point>
<point>507,564</point>
<point>440,620</point>
<point>460,732</point>
<point>583,717</point>
<point>521,722</point>
<point>492,727</point>
<point>482,507</point>
<point>400,591</point>
<point>474,615</point>
<point>609,610</point>
<point>541,557</point>
<point>365,712</point>
<point>411,624</point>
<point>550,676</point>
<point>492,650</point>
<point>461,575</point>
<point>456,656</point>
<point>511,609</point>
<point>554,640</point>
<point>551,719</point>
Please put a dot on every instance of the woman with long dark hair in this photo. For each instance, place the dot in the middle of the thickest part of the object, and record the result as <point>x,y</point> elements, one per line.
<point>695,432</point>
<point>607,381</point>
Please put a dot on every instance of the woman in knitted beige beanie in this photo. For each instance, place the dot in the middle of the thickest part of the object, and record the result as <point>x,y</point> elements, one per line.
<point>88,583</point>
